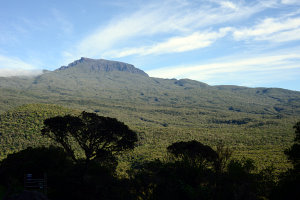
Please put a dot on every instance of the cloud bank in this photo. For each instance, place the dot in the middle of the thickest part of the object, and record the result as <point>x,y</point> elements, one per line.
<point>16,67</point>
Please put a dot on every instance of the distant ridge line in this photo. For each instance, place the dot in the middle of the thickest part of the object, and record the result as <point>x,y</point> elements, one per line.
<point>97,65</point>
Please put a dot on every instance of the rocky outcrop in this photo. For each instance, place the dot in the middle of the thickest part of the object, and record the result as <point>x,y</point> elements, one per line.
<point>101,65</point>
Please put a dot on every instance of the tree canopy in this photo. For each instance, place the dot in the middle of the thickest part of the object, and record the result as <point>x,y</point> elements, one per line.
<point>192,149</point>
<point>99,137</point>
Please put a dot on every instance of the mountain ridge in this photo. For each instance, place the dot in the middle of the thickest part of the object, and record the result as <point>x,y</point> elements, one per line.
<point>102,80</point>
<point>98,65</point>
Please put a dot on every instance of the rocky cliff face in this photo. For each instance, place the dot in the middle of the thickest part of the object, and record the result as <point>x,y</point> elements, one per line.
<point>98,65</point>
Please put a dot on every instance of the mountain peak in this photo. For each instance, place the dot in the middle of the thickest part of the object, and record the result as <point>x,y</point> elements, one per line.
<point>101,65</point>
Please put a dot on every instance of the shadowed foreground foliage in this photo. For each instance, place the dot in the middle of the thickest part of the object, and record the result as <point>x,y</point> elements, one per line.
<point>71,174</point>
<point>288,187</point>
<point>191,170</point>
<point>20,128</point>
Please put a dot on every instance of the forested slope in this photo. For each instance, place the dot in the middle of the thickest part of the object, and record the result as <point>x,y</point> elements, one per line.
<point>20,128</point>
<point>257,122</point>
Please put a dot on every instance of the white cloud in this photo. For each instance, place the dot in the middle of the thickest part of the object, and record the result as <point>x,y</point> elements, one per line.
<point>291,2</point>
<point>176,44</point>
<point>267,63</point>
<point>16,67</point>
<point>273,29</point>
<point>286,36</point>
<point>228,4</point>
<point>19,72</point>
<point>168,19</point>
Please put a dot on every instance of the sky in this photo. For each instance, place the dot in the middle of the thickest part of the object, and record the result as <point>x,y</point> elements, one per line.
<point>241,42</point>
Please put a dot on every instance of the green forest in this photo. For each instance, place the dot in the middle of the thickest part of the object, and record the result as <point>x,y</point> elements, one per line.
<point>81,154</point>
<point>263,142</point>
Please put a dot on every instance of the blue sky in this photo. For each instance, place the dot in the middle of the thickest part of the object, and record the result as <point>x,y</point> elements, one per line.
<point>250,43</point>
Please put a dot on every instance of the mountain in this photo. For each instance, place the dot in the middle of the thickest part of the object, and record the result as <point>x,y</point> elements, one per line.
<point>164,110</point>
<point>109,82</point>
<point>87,65</point>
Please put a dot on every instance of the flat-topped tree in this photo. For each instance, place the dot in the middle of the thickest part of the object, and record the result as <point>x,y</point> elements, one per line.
<point>193,152</point>
<point>99,137</point>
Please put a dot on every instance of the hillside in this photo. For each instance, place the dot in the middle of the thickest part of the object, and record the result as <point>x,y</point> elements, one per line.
<point>90,83</point>
<point>257,122</point>
<point>21,127</point>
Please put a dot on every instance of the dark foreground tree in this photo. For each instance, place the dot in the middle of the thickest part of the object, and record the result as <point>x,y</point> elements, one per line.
<point>52,160</point>
<point>197,172</point>
<point>193,152</point>
<point>98,137</point>
<point>92,142</point>
<point>84,168</point>
<point>288,186</point>
<point>64,178</point>
<point>187,174</point>
<point>293,153</point>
